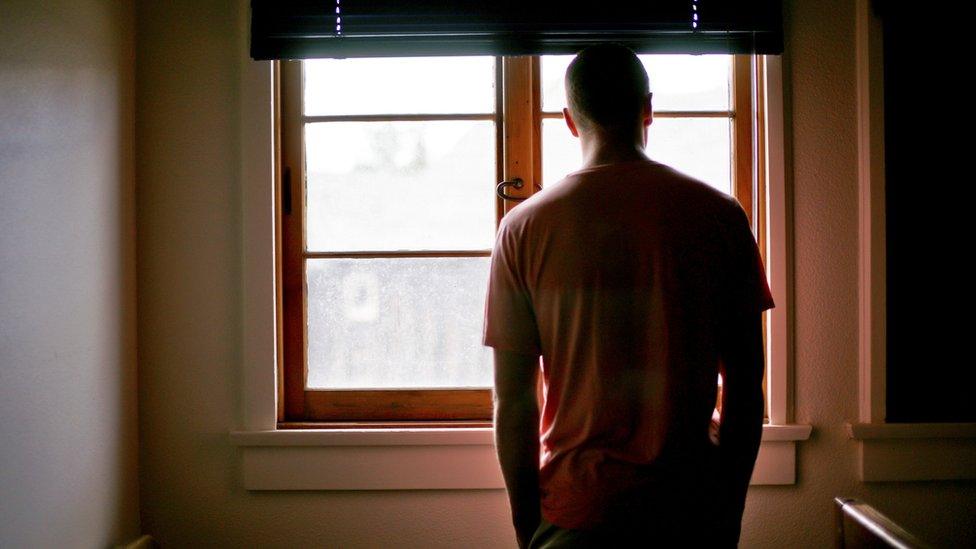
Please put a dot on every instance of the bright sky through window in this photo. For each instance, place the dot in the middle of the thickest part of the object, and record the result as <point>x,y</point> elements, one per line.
<point>700,147</point>
<point>443,85</point>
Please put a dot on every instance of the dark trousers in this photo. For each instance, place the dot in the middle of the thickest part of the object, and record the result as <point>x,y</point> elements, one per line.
<point>650,534</point>
<point>674,514</point>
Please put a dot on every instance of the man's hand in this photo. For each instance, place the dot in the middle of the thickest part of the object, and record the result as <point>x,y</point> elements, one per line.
<point>517,437</point>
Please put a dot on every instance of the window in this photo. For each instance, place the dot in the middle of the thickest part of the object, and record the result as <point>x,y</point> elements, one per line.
<point>888,450</point>
<point>388,211</point>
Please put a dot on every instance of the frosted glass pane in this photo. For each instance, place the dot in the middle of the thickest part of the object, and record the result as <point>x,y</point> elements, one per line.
<point>400,185</point>
<point>679,82</point>
<point>397,323</point>
<point>405,85</point>
<point>699,147</point>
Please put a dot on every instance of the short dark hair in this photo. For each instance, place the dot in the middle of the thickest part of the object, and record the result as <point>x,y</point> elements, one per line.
<point>606,85</point>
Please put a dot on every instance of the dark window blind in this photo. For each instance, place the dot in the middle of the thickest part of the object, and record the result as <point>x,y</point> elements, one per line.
<point>302,29</point>
<point>930,276</point>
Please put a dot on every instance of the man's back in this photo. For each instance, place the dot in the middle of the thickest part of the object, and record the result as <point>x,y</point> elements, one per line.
<point>622,277</point>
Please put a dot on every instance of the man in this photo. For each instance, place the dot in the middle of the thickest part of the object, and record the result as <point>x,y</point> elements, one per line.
<point>637,285</point>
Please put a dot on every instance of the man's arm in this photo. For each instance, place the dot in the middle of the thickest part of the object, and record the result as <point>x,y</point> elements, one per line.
<point>740,432</point>
<point>517,437</point>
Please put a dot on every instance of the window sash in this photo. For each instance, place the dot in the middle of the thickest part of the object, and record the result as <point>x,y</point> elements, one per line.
<point>518,115</point>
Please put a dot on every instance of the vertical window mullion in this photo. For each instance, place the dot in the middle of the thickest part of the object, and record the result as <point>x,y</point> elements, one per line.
<point>536,93</point>
<point>758,116</point>
<point>292,240</point>
<point>499,134</point>
<point>742,134</point>
<point>520,108</point>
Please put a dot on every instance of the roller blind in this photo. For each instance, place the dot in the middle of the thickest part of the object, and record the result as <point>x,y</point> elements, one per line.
<point>303,29</point>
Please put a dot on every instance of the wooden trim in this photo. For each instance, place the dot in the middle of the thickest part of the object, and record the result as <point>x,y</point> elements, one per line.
<point>872,262</point>
<point>499,135</point>
<point>742,139</point>
<point>276,204</point>
<point>887,431</point>
<point>757,114</point>
<point>396,117</point>
<point>759,155</point>
<point>349,434</point>
<point>780,261</point>
<point>293,264</point>
<point>259,168</point>
<point>535,70</point>
<point>519,124</point>
<point>398,253</point>
<point>418,459</point>
<point>916,459</point>
<point>412,404</point>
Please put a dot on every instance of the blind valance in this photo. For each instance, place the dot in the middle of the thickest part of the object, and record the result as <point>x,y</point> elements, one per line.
<point>304,29</point>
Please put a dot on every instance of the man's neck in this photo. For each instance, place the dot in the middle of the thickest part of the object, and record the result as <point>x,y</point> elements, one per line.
<point>600,149</point>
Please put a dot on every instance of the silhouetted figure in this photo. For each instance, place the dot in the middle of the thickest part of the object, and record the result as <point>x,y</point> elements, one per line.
<point>637,285</point>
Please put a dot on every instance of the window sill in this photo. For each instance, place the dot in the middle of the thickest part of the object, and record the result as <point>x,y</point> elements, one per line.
<point>424,459</point>
<point>915,451</point>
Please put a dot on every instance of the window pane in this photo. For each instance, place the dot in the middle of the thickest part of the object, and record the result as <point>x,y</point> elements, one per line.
<point>397,323</point>
<point>406,85</point>
<point>700,147</point>
<point>561,152</point>
<point>400,185</point>
<point>679,82</point>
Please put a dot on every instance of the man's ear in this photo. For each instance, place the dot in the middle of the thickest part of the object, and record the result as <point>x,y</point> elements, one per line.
<point>570,123</point>
<point>647,110</point>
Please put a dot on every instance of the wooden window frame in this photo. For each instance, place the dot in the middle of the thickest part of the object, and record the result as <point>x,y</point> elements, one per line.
<point>518,122</point>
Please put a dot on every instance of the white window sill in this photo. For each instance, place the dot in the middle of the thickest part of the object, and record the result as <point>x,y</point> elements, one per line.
<point>915,451</point>
<point>424,459</point>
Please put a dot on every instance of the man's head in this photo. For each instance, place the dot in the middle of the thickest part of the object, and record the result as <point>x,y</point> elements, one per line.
<point>607,89</point>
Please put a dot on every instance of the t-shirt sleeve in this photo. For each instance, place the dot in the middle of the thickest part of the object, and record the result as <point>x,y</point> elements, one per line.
<point>748,288</point>
<point>510,322</point>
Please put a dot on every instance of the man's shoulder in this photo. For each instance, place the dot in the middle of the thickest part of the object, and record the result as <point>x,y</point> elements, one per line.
<point>682,190</point>
<point>524,211</point>
<point>696,190</point>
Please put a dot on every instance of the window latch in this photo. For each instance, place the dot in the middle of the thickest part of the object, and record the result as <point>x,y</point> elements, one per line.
<point>516,183</point>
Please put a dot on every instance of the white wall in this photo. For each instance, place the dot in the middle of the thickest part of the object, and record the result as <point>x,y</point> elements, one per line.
<point>190,312</point>
<point>68,442</point>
